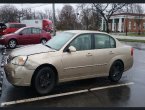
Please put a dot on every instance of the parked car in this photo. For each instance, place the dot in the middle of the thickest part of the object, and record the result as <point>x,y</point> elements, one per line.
<point>70,55</point>
<point>25,36</point>
<point>2,28</point>
<point>12,27</point>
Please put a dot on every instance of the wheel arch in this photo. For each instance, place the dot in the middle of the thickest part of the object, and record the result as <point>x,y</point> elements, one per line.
<point>45,65</point>
<point>120,60</point>
<point>12,39</point>
<point>43,38</point>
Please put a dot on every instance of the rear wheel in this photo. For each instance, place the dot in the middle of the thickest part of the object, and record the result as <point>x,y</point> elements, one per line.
<point>44,80</point>
<point>116,71</point>
<point>12,43</point>
<point>43,41</point>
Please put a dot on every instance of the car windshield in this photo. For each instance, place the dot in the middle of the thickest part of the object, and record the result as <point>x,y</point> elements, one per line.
<point>58,41</point>
<point>18,31</point>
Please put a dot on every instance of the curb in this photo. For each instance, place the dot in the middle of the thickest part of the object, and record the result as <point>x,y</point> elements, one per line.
<point>1,81</point>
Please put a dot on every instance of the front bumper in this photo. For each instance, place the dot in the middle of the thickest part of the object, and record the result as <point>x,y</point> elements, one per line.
<point>18,75</point>
<point>2,41</point>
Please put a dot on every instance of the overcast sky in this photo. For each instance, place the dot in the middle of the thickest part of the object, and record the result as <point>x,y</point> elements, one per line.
<point>42,7</point>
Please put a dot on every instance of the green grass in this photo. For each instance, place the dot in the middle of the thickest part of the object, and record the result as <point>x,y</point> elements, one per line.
<point>136,34</point>
<point>131,40</point>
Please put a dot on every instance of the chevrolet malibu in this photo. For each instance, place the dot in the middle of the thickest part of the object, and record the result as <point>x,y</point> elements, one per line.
<point>70,55</point>
<point>25,36</point>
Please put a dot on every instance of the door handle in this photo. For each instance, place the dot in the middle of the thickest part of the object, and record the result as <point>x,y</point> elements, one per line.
<point>89,54</point>
<point>111,52</point>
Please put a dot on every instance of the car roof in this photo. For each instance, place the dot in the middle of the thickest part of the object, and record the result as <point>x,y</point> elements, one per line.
<point>84,31</point>
<point>30,27</point>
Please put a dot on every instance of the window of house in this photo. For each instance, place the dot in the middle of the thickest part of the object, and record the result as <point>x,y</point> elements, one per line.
<point>129,25</point>
<point>134,25</point>
<point>144,26</point>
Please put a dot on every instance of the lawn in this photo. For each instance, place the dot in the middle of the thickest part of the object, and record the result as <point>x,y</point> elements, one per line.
<point>131,40</point>
<point>136,34</point>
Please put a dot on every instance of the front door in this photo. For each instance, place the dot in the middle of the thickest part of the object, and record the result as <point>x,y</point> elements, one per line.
<point>80,63</point>
<point>25,37</point>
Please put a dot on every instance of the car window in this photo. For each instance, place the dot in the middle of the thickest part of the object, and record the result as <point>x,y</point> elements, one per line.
<point>112,42</point>
<point>36,31</point>
<point>26,31</point>
<point>16,25</point>
<point>58,41</point>
<point>104,41</point>
<point>20,25</point>
<point>82,42</point>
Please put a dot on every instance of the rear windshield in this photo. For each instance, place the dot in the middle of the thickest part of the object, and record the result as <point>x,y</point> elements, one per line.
<point>15,25</point>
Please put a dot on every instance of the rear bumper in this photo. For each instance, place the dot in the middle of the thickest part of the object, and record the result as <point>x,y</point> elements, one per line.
<point>128,64</point>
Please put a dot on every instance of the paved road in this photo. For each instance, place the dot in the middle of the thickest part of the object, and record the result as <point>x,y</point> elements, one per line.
<point>123,96</point>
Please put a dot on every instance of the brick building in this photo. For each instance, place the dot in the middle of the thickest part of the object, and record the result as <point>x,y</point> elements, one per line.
<point>123,22</point>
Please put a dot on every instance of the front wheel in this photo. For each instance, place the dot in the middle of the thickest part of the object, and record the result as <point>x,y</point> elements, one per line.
<point>44,80</point>
<point>116,71</point>
<point>12,43</point>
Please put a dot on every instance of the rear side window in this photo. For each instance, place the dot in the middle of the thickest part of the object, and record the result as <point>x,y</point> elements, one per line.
<point>36,31</point>
<point>104,41</point>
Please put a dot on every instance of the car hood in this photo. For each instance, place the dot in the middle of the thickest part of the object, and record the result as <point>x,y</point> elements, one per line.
<point>30,50</point>
<point>6,35</point>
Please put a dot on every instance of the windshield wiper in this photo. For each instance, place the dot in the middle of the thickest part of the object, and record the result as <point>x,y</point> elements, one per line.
<point>50,47</point>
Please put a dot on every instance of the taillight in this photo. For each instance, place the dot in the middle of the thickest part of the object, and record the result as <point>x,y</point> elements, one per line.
<point>132,51</point>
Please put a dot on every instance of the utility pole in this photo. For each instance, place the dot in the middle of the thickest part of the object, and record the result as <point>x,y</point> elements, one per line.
<point>53,10</point>
<point>126,22</point>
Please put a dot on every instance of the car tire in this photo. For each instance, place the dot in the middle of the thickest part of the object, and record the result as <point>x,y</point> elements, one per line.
<point>116,71</point>
<point>44,80</point>
<point>12,44</point>
<point>43,41</point>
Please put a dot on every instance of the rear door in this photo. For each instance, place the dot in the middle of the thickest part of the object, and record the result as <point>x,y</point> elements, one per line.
<point>25,36</point>
<point>105,47</point>
<point>36,35</point>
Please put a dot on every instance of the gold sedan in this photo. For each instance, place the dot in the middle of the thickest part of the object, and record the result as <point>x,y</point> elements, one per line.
<point>70,55</point>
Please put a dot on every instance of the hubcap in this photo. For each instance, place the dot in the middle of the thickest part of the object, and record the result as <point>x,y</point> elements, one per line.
<point>117,70</point>
<point>12,43</point>
<point>44,80</point>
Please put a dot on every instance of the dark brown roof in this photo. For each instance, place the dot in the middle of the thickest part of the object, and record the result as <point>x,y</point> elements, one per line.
<point>131,14</point>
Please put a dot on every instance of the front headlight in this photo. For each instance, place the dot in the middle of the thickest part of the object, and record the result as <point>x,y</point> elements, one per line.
<point>2,37</point>
<point>20,60</point>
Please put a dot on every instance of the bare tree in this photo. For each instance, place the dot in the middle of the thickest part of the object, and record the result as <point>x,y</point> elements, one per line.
<point>28,14</point>
<point>67,17</point>
<point>89,18</point>
<point>48,12</point>
<point>107,10</point>
<point>139,18</point>
<point>9,13</point>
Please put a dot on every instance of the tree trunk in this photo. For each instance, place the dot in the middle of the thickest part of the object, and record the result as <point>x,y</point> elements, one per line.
<point>107,26</point>
<point>139,30</point>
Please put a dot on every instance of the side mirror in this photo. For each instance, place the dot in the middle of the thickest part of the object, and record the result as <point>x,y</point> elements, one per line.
<point>72,49</point>
<point>20,33</point>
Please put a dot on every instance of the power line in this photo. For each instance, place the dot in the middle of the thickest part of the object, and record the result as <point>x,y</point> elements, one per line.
<point>39,6</point>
